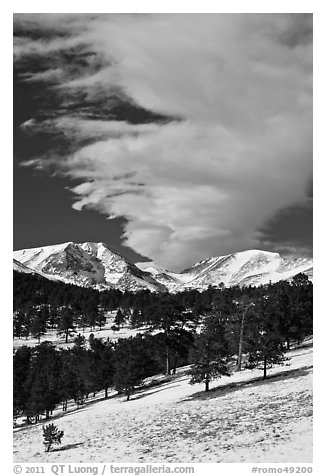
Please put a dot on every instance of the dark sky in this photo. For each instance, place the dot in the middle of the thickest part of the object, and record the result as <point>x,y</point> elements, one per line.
<point>188,169</point>
<point>42,203</point>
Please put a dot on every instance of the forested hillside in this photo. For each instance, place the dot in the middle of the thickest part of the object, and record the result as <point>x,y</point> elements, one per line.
<point>216,332</point>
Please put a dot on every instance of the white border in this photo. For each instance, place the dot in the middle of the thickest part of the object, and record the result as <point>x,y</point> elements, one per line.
<point>168,6</point>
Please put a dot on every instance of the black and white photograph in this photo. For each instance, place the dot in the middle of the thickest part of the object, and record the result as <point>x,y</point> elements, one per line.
<point>163,238</point>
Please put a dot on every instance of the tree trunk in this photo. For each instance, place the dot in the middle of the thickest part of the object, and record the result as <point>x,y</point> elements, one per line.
<point>207,384</point>
<point>106,393</point>
<point>241,340</point>
<point>175,364</point>
<point>265,366</point>
<point>167,360</point>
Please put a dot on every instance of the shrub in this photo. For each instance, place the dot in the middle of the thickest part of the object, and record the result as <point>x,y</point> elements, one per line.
<point>51,436</point>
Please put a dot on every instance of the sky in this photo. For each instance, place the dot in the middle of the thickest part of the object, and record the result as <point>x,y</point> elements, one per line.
<point>170,137</point>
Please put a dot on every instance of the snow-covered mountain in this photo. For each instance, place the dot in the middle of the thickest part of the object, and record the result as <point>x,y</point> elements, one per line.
<point>87,264</point>
<point>95,265</point>
<point>252,267</point>
<point>170,280</point>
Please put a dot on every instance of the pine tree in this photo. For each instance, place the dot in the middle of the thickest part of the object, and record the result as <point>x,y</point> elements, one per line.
<point>53,317</point>
<point>302,321</point>
<point>102,365</point>
<point>210,352</point>
<point>131,364</point>
<point>79,340</point>
<point>66,325</point>
<point>101,318</point>
<point>119,319</point>
<point>71,385</point>
<point>43,381</point>
<point>38,325</point>
<point>21,369</point>
<point>244,306</point>
<point>18,324</point>
<point>265,340</point>
<point>136,318</point>
<point>282,295</point>
<point>51,436</point>
<point>167,315</point>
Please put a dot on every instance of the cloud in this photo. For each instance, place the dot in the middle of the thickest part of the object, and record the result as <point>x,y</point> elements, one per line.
<point>241,149</point>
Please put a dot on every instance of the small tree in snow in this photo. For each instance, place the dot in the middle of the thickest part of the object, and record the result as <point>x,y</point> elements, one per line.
<point>51,436</point>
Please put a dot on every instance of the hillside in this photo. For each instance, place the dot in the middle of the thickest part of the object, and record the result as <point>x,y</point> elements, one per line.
<point>243,419</point>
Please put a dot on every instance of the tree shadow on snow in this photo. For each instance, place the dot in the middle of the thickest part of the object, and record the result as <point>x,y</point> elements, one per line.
<point>137,396</point>
<point>68,447</point>
<point>222,390</point>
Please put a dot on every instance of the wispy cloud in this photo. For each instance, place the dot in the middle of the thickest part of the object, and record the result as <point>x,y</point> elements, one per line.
<point>240,150</point>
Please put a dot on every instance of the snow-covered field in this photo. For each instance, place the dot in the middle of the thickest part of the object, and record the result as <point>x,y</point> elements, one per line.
<point>243,419</point>
<point>106,332</point>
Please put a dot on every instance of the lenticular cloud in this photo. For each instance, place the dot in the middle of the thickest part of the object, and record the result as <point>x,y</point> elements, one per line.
<point>236,146</point>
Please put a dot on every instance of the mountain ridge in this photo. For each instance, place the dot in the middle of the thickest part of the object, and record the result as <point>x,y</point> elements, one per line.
<point>94,265</point>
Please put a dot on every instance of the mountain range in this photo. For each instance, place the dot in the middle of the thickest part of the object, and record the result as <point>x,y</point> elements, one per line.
<point>95,265</point>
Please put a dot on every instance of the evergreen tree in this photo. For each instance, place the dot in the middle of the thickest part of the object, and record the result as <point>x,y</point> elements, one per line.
<point>282,294</point>
<point>51,436</point>
<point>244,309</point>
<point>167,315</point>
<point>136,318</point>
<point>71,381</point>
<point>79,340</point>
<point>38,324</point>
<point>101,318</point>
<point>53,317</point>
<point>302,321</point>
<point>131,364</point>
<point>102,365</point>
<point>265,341</point>
<point>43,381</point>
<point>18,324</point>
<point>210,352</point>
<point>66,325</point>
<point>119,319</point>
<point>21,369</point>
